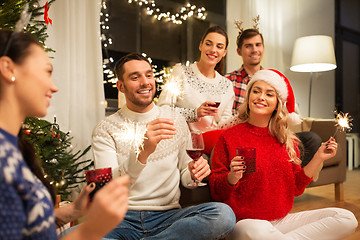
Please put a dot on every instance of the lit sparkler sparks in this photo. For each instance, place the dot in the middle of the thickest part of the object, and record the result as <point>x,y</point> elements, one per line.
<point>133,134</point>
<point>174,89</point>
<point>172,86</point>
<point>343,122</point>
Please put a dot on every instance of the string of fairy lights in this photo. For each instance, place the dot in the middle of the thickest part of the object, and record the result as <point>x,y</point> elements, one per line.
<point>187,11</point>
<point>106,41</point>
<point>150,7</point>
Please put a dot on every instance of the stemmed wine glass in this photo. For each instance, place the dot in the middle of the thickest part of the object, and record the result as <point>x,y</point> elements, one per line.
<point>195,150</point>
<point>216,105</point>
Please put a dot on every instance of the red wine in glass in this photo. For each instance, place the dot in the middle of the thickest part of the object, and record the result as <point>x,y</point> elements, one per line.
<point>195,149</point>
<point>217,104</point>
<point>195,154</point>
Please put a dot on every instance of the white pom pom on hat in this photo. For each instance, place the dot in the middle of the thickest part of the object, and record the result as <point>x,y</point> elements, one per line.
<point>282,86</point>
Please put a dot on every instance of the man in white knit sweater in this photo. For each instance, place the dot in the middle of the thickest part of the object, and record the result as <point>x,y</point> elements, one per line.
<point>156,169</point>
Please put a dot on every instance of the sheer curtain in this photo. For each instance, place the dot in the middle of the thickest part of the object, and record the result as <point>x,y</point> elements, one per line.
<point>75,36</point>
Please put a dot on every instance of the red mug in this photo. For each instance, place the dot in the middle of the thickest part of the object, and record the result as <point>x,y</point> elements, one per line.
<point>98,176</point>
<point>249,155</point>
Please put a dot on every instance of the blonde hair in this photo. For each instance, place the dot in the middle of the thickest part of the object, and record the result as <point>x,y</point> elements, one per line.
<point>278,125</point>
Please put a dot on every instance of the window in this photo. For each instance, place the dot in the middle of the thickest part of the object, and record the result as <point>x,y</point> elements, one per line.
<point>132,30</point>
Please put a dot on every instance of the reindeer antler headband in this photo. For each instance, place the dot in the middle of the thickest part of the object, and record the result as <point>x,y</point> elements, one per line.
<point>256,22</point>
<point>19,27</point>
<point>238,24</point>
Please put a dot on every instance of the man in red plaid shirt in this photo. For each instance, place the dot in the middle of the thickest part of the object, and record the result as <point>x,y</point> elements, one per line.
<point>250,46</point>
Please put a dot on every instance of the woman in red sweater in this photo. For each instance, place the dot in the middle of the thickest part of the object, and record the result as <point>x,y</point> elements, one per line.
<point>263,199</point>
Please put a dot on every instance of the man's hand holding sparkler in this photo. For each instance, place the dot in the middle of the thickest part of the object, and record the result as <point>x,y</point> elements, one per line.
<point>157,130</point>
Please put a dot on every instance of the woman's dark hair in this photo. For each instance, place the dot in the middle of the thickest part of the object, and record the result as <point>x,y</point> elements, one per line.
<point>246,34</point>
<point>18,49</point>
<point>220,66</point>
<point>28,152</point>
<point>18,45</point>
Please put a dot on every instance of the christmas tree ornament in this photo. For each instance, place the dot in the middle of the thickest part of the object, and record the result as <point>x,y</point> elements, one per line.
<point>62,182</point>
<point>46,14</point>
<point>53,161</point>
<point>35,5</point>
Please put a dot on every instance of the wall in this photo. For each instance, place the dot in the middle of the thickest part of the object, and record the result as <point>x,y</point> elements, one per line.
<point>281,23</point>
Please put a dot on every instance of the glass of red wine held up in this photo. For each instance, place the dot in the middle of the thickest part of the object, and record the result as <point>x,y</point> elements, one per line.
<point>216,105</point>
<point>195,150</point>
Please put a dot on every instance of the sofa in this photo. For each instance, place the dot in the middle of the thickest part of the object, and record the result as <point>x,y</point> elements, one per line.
<point>333,170</point>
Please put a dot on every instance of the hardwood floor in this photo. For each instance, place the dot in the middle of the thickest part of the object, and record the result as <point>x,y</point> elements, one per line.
<point>324,196</point>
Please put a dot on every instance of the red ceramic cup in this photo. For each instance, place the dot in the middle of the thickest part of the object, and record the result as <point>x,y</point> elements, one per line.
<point>98,176</point>
<point>249,155</point>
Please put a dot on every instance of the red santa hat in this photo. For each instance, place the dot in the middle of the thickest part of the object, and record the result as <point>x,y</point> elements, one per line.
<point>282,86</point>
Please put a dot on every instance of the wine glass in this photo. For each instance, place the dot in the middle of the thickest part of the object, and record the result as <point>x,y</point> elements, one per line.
<point>195,150</point>
<point>217,101</point>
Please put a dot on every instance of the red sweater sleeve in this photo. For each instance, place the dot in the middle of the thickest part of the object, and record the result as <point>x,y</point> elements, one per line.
<point>301,180</point>
<point>219,186</point>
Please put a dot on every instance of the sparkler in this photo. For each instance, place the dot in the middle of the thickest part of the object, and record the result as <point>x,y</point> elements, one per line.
<point>133,134</point>
<point>173,87</point>
<point>343,122</point>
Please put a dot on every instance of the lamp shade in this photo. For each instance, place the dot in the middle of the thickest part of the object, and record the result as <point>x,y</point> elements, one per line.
<point>313,54</point>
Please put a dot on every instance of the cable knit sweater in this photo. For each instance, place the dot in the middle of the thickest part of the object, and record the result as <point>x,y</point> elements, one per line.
<point>268,193</point>
<point>196,89</point>
<point>154,185</point>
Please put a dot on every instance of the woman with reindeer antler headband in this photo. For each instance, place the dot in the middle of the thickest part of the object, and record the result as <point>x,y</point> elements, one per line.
<point>206,96</point>
<point>26,197</point>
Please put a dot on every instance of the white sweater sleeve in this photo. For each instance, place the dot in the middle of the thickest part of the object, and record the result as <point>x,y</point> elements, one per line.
<point>106,155</point>
<point>227,102</point>
<point>166,95</point>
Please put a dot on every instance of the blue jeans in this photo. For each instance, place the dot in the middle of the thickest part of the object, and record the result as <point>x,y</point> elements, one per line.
<point>204,221</point>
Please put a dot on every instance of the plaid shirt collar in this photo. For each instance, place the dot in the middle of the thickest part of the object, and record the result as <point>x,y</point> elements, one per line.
<point>244,75</point>
<point>240,78</point>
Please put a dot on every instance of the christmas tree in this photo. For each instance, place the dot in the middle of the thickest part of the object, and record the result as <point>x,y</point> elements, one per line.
<point>53,147</point>
<point>10,11</point>
<point>62,167</point>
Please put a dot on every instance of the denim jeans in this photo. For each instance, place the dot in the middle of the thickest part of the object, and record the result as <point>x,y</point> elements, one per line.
<point>204,221</point>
